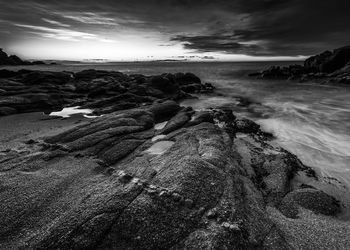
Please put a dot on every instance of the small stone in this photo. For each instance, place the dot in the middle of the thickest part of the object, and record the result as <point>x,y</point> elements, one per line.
<point>152,187</point>
<point>110,171</point>
<point>31,141</point>
<point>201,210</point>
<point>151,191</point>
<point>125,177</point>
<point>188,203</point>
<point>234,227</point>
<point>101,163</point>
<point>78,155</point>
<point>176,197</point>
<point>163,193</point>
<point>136,180</point>
<point>226,225</point>
<point>211,214</point>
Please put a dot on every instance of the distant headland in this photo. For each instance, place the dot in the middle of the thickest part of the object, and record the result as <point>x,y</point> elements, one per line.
<point>14,60</point>
<point>328,67</point>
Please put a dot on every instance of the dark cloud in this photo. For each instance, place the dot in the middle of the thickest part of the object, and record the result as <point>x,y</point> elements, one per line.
<point>291,27</point>
<point>217,43</point>
<point>252,27</point>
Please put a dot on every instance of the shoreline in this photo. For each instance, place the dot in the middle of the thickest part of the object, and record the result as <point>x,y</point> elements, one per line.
<point>221,179</point>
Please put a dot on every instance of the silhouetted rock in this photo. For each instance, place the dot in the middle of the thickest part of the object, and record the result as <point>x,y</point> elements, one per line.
<point>38,63</point>
<point>329,67</point>
<point>164,84</point>
<point>103,91</point>
<point>187,78</point>
<point>14,60</point>
<point>329,62</point>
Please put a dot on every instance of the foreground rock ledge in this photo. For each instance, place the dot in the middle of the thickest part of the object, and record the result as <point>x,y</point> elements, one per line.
<point>219,182</point>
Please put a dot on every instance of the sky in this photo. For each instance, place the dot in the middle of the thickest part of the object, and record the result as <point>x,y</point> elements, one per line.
<point>128,30</point>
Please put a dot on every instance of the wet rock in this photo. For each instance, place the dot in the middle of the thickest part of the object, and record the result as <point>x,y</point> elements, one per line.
<point>200,117</point>
<point>164,110</point>
<point>311,199</point>
<point>177,121</point>
<point>208,87</point>
<point>246,126</point>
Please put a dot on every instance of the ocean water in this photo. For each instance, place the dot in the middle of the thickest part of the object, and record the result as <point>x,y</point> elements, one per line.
<point>309,119</point>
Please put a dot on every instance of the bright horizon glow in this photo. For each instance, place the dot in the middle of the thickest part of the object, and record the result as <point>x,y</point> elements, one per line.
<point>96,37</point>
<point>135,30</point>
<point>123,51</point>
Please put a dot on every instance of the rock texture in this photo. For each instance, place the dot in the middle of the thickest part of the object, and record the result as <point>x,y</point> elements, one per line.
<point>326,67</point>
<point>105,92</point>
<point>217,181</point>
<point>309,198</point>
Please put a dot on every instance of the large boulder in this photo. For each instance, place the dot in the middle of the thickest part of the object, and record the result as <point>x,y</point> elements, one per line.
<point>329,62</point>
<point>4,60</point>
<point>164,84</point>
<point>312,199</point>
<point>244,125</point>
<point>187,78</point>
<point>11,60</point>
<point>15,60</point>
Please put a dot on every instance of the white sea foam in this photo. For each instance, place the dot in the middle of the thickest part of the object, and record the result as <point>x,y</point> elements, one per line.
<point>67,112</point>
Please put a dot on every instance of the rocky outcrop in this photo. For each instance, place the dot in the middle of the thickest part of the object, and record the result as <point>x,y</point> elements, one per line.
<point>103,91</point>
<point>325,67</point>
<point>14,60</point>
<point>328,62</point>
<point>201,180</point>
<point>101,184</point>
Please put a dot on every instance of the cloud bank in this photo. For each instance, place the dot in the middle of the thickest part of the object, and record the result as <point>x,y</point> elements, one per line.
<point>248,27</point>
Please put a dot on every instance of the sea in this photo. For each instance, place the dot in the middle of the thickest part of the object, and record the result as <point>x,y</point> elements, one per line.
<point>311,120</point>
